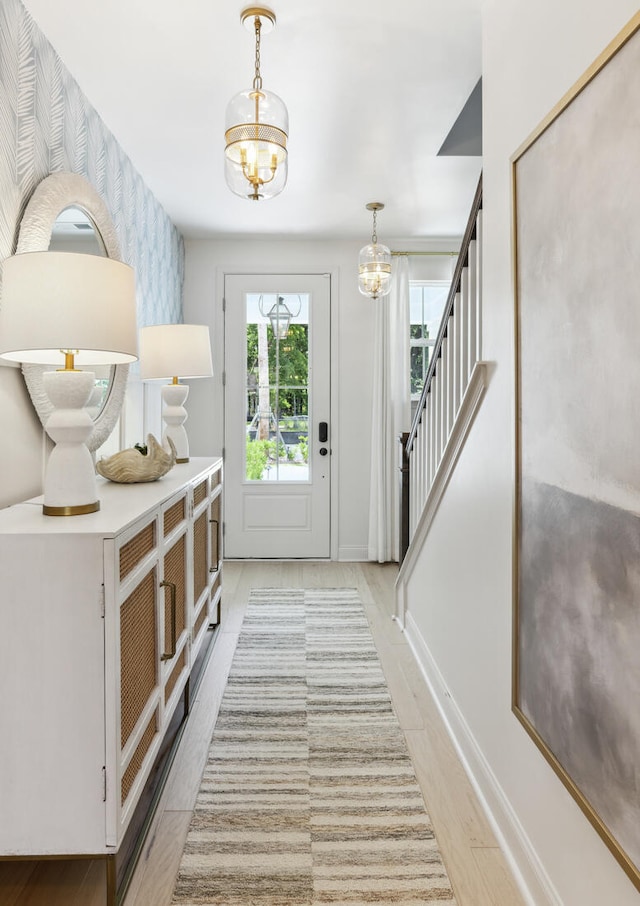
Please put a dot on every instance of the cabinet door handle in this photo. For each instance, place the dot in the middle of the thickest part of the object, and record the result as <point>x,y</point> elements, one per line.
<point>213,569</point>
<point>172,590</point>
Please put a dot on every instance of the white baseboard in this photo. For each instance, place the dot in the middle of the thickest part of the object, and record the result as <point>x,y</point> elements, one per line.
<point>347,552</point>
<point>529,873</point>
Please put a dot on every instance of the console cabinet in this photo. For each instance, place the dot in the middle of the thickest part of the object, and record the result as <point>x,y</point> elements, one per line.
<point>102,618</point>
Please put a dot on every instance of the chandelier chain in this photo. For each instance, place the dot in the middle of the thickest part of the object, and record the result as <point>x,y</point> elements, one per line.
<point>257,80</point>
<point>374,234</point>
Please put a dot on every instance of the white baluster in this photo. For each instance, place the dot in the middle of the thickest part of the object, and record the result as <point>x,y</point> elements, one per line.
<point>464,330</point>
<point>431,439</point>
<point>457,355</point>
<point>446,390</point>
<point>479,287</point>
<point>434,403</point>
<point>472,273</point>
<point>413,491</point>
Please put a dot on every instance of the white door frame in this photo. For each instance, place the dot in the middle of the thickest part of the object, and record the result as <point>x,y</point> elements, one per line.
<point>333,285</point>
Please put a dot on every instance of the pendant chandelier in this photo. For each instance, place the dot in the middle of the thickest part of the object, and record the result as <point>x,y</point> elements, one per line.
<point>256,128</point>
<point>374,263</point>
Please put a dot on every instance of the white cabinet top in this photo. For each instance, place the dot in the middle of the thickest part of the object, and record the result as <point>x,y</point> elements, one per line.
<point>120,504</point>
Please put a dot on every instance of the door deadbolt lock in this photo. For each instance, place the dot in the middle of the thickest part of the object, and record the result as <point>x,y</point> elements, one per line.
<point>323,451</point>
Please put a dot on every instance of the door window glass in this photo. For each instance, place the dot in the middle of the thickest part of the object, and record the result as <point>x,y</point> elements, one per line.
<point>277,387</point>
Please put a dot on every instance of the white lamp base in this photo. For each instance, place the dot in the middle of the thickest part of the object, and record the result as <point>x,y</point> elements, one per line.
<point>70,479</point>
<point>175,415</point>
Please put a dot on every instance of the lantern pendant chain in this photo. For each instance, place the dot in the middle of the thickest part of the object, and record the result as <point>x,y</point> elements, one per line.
<point>374,235</point>
<point>257,80</point>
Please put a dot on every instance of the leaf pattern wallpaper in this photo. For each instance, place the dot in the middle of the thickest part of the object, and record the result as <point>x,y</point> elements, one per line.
<point>48,125</point>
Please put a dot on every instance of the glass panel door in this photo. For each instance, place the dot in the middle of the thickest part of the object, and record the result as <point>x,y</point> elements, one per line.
<point>277,414</point>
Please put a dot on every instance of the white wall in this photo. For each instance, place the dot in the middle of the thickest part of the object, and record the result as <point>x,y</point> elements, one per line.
<point>352,342</point>
<point>459,597</point>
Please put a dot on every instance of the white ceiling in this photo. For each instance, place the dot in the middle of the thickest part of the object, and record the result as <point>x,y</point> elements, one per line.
<point>372,90</point>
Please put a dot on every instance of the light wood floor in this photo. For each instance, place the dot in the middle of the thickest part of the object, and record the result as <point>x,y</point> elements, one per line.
<point>476,866</point>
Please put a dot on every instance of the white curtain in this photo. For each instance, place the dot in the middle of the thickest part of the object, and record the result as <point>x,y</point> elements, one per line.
<point>391,413</point>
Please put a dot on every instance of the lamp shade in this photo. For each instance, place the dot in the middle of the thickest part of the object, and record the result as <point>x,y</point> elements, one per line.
<point>57,301</point>
<point>175,350</point>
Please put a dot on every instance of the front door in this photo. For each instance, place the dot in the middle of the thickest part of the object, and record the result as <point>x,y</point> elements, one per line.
<point>277,418</point>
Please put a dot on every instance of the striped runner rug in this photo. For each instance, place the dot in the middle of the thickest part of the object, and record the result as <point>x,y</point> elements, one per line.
<point>309,796</point>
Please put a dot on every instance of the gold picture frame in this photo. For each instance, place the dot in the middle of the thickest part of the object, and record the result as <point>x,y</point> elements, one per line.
<point>576,621</point>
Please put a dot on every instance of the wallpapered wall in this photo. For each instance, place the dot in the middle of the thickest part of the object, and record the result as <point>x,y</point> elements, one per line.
<point>47,125</point>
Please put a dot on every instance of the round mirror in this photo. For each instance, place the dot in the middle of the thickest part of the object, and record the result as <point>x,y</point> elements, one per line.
<point>75,231</point>
<point>65,213</point>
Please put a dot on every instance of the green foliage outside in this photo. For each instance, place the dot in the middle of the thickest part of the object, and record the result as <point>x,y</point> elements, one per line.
<point>419,358</point>
<point>291,376</point>
<point>288,361</point>
<point>293,423</point>
<point>262,452</point>
<point>257,456</point>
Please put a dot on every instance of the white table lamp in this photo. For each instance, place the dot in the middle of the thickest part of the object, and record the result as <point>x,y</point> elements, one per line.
<point>175,351</point>
<point>67,309</point>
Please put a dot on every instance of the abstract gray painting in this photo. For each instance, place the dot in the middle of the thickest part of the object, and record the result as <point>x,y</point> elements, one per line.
<point>577,607</point>
<point>579,634</point>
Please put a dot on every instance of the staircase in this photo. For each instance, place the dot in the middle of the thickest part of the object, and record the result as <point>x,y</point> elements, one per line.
<point>452,392</point>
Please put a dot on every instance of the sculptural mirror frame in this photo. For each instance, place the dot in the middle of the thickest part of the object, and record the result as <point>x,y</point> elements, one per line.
<point>55,193</point>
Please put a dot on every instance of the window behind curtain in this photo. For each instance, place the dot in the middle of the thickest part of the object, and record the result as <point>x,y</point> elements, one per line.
<point>426,305</point>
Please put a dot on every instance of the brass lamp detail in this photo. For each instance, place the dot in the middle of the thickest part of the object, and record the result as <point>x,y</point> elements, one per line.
<point>257,126</point>
<point>69,360</point>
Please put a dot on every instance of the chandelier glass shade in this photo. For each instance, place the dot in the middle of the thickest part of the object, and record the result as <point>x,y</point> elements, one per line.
<point>256,130</point>
<point>374,262</point>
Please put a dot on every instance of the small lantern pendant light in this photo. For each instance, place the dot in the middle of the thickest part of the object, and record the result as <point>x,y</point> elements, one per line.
<point>280,315</point>
<point>374,263</point>
<point>257,127</point>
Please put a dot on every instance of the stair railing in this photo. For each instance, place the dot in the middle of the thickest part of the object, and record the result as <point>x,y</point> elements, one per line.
<point>451,373</point>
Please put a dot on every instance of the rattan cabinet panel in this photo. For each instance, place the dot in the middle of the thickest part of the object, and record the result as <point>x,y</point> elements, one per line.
<point>138,653</point>
<point>150,623</point>
<point>103,616</point>
<point>206,557</point>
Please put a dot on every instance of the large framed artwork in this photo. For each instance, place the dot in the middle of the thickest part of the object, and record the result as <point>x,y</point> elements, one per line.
<point>576,683</point>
